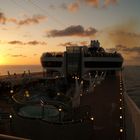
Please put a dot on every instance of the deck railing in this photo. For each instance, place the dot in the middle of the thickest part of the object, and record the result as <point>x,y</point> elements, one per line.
<point>132,116</point>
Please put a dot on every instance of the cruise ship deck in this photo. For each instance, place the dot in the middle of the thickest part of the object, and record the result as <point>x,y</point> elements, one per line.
<point>105,101</point>
<point>105,106</point>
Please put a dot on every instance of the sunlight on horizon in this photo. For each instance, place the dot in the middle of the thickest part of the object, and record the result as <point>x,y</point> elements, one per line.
<point>2,61</point>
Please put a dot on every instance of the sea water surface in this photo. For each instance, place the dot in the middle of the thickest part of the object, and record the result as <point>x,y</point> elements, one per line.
<point>19,69</point>
<point>132,82</point>
<point>131,77</point>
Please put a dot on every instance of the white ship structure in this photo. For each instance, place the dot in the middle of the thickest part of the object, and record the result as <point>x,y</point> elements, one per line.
<point>80,61</point>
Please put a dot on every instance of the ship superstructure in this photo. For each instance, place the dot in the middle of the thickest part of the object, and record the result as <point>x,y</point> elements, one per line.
<point>80,60</point>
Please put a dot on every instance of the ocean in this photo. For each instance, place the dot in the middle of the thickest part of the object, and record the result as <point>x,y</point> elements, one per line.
<point>132,82</point>
<point>131,77</point>
<point>19,69</point>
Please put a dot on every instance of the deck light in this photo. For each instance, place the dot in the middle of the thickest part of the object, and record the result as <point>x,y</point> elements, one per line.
<point>27,93</point>
<point>58,94</point>
<point>120,108</point>
<point>10,116</point>
<point>81,94</point>
<point>120,117</point>
<point>121,93</point>
<point>11,91</point>
<point>120,100</point>
<point>59,109</point>
<point>121,130</point>
<point>92,119</point>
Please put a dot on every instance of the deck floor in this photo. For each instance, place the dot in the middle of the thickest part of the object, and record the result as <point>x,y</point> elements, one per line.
<point>104,102</point>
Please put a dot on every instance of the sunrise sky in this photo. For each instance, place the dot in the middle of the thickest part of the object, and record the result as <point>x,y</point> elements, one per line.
<point>30,27</point>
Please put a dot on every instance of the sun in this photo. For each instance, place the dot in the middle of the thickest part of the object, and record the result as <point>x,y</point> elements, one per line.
<point>2,60</point>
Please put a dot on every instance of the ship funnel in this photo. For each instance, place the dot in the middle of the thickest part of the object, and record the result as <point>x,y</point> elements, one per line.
<point>95,43</point>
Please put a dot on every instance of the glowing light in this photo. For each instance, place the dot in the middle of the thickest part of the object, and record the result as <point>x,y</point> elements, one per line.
<point>92,118</point>
<point>120,117</point>
<point>27,93</point>
<point>81,95</point>
<point>120,100</point>
<point>121,93</point>
<point>11,91</point>
<point>120,108</point>
<point>60,109</point>
<point>121,130</point>
<point>58,94</point>
<point>10,116</point>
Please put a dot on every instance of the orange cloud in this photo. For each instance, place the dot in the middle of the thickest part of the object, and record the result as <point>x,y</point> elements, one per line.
<point>83,43</point>
<point>74,30</point>
<point>67,44</point>
<point>34,42</point>
<point>73,7</point>
<point>94,3</point>
<point>76,4</point>
<point>35,19</point>
<point>2,18</point>
<point>109,2</point>
<point>16,55</point>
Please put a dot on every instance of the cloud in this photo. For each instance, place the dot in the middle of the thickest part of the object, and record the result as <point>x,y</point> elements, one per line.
<point>124,38</point>
<point>35,19</point>
<point>2,18</point>
<point>17,55</point>
<point>83,43</point>
<point>126,49</point>
<point>74,30</point>
<point>110,2</point>
<point>73,7</point>
<point>76,4</point>
<point>130,54</point>
<point>34,42</point>
<point>16,42</point>
<point>126,33</point>
<point>99,3</point>
<point>67,44</point>
<point>94,3</point>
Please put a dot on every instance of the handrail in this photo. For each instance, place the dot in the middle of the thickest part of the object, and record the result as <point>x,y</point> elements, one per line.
<point>8,137</point>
